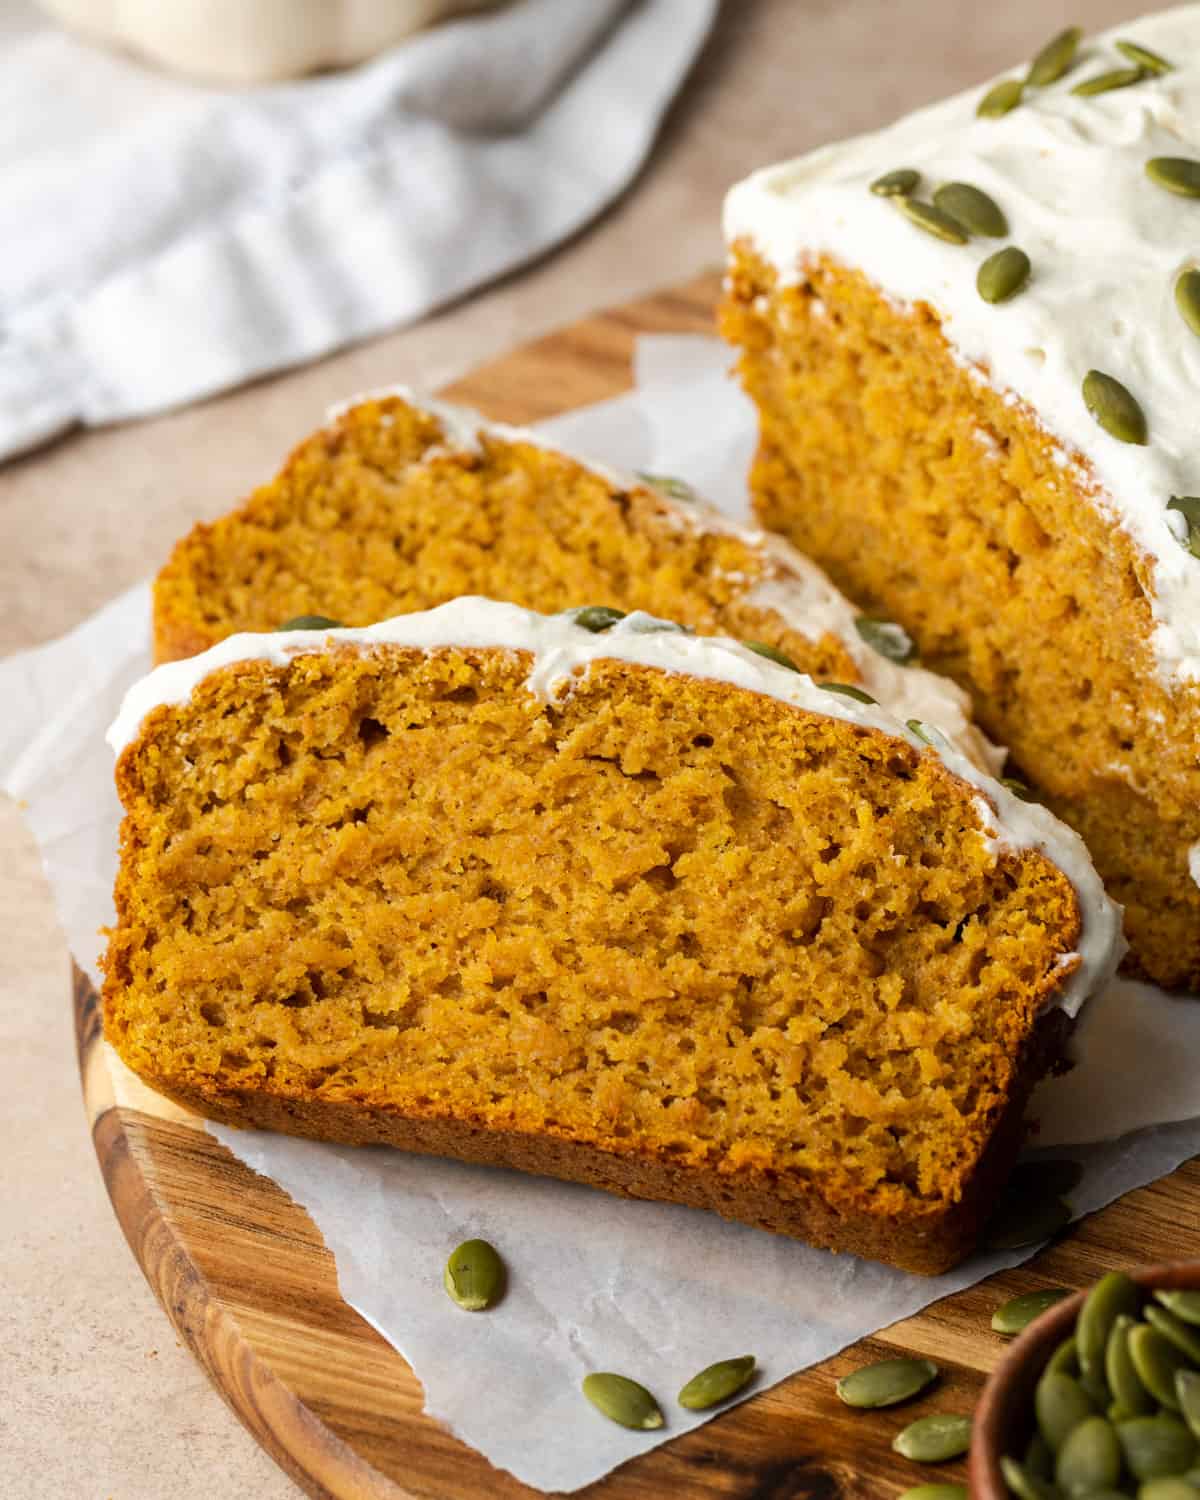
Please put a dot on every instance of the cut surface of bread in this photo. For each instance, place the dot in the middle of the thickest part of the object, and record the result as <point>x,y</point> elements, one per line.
<point>641,928</point>
<point>401,505</point>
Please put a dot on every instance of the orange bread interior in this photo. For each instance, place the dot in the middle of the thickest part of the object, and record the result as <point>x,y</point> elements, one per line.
<point>940,502</point>
<point>376,515</point>
<point>663,935</point>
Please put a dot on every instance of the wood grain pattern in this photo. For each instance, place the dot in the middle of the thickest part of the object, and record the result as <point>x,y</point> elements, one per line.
<point>1002,1418</point>
<point>250,1288</point>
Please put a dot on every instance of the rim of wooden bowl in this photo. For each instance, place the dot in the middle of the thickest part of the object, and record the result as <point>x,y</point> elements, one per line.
<point>1002,1416</point>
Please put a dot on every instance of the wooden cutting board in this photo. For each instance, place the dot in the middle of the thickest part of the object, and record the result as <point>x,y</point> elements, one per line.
<point>243,1275</point>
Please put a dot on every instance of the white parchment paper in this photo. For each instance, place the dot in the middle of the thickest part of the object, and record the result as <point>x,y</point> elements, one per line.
<point>595,1282</point>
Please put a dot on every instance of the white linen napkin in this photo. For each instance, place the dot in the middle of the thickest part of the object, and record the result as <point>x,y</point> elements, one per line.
<point>164,240</point>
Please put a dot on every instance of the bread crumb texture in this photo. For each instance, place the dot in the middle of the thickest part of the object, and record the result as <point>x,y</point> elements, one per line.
<point>939,501</point>
<point>662,935</point>
<point>374,516</point>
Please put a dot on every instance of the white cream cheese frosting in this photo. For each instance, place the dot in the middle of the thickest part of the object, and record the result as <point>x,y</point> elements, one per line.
<point>792,585</point>
<point>560,649</point>
<point>1107,246</point>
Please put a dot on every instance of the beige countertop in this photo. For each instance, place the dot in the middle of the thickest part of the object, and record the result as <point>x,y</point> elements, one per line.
<point>99,1400</point>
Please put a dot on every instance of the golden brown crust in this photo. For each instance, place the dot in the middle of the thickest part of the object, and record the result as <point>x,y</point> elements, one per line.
<point>938,501</point>
<point>176,636</point>
<point>662,935</point>
<point>928,1243</point>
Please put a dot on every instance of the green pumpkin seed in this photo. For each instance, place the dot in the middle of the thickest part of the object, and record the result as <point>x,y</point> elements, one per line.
<point>1025,1218</point>
<point>772,653</point>
<point>934,220</point>
<point>887,1382</point>
<point>1090,1457</point>
<point>309,622</point>
<point>1114,408</point>
<point>1018,788</point>
<point>1000,98</point>
<point>622,1400</point>
<point>847,690</point>
<point>1115,1412</point>
<point>1065,1359</point>
<point>934,1439</point>
<point>1178,174</point>
<point>1104,83</point>
<point>1185,1305</point>
<point>914,726</point>
<point>1002,275</point>
<point>1187,1393</point>
<point>1096,1386</point>
<point>1060,1403</point>
<point>1189,508</point>
<point>716,1383</point>
<point>1112,1295</point>
<point>474,1275</point>
<point>1170,1488</point>
<point>1039,1460</point>
<point>1156,1359</point>
<point>643,624</point>
<point>1187,300</point>
<point>1128,1391</point>
<point>972,208</point>
<point>886,637</point>
<point>1144,58</point>
<point>1019,1312</point>
<point>1024,1484</point>
<point>1176,1330</point>
<point>935,1492</point>
<point>676,489</point>
<point>897,184</point>
<point>596,617</point>
<point>1055,58</point>
<point>1155,1446</point>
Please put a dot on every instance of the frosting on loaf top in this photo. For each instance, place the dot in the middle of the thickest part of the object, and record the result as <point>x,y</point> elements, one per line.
<point>1107,246</point>
<point>560,648</point>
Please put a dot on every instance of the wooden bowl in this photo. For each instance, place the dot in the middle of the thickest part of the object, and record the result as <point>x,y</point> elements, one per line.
<point>1003,1418</point>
